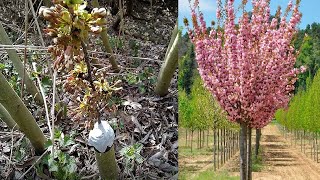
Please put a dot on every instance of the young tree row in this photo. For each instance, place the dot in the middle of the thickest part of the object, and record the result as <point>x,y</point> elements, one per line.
<point>303,112</point>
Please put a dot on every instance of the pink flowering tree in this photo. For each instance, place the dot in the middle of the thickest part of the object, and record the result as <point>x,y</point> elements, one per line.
<point>247,65</point>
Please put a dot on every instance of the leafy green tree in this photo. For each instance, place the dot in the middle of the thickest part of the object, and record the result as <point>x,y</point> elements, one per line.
<point>303,112</point>
<point>186,68</point>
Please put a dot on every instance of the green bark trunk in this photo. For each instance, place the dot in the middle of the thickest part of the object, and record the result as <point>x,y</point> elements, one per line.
<point>6,117</point>
<point>107,164</point>
<point>168,68</point>
<point>21,115</point>
<point>106,44</point>
<point>31,87</point>
<point>173,36</point>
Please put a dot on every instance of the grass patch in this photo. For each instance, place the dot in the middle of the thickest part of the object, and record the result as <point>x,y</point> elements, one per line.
<point>257,164</point>
<point>214,175</point>
<point>190,171</point>
<point>207,175</point>
<point>186,151</point>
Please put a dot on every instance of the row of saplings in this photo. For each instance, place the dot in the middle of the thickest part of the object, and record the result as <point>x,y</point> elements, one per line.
<point>301,118</point>
<point>69,26</point>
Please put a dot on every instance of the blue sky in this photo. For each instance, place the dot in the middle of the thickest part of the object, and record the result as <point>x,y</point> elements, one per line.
<point>310,10</point>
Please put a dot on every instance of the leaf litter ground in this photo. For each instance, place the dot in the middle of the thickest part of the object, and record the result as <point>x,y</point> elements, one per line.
<point>137,114</point>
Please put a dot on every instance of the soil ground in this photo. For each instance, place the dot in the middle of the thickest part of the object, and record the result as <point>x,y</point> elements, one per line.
<point>197,164</point>
<point>280,160</point>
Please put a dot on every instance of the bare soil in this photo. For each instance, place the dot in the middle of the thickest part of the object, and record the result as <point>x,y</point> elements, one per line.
<point>280,160</point>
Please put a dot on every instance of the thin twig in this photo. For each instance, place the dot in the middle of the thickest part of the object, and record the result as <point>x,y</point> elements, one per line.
<point>39,30</point>
<point>33,164</point>
<point>30,24</point>
<point>25,50</point>
<point>40,48</point>
<point>43,97</point>
<point>10,162</point>
<point>86,58</point>
<point>93,176</point>
<point>15,133</point>
<point>52,109</point>
<point>36,22</point>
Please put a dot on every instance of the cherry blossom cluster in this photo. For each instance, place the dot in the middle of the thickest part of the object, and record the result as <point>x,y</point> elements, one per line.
<point>248,65</point>
<point>69,23</point>
<point>69,27</point>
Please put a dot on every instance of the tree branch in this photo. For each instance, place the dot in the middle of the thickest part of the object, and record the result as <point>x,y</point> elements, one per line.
<point>86,58</point>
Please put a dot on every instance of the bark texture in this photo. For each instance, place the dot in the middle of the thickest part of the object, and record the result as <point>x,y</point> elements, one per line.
<point>21,115</point>
<point>6,117</point>
<point>168,68</point>
<point>107,164</point>
<point>106,43</point>
<point>31,87</point>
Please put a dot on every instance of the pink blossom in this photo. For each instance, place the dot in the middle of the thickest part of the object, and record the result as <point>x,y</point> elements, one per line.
<point>248,68</point>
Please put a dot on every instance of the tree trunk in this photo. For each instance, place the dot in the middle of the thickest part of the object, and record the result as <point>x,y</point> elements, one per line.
<point>218,142</point>
<point>108,168</point>
<point>197,139</point>
<point>258,137</point>
<point>295,138</point>
<point>200,139</point>
<point>314,146</point>
<point>317,145</point>
<point>301,140</point>
<point>214,149</point>
<point>173,37</point>
<point>291,139</point>
<point>232,142</point>
<point>304,141</point>
<point>221,147</point>
<point>186,137</point>
<point>168,67</point>
<point>6,117</point>
<point>14,57</point>
<point>203,138</point>
<point>243,151</point>
<point>208,132</point>
<point>228,144</point>
<point>106,44</point>
<point>201,132</point>
<point>235,144</point>
<point>224,145</point>
<point>21,115</point>
<point>191,138</point>
<point>249,159</point>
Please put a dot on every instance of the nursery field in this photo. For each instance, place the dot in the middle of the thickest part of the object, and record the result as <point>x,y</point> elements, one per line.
<point>198,163</point>
<point>279,160</point>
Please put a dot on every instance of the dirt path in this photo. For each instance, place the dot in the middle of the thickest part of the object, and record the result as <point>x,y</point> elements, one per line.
<point>280,160</point>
